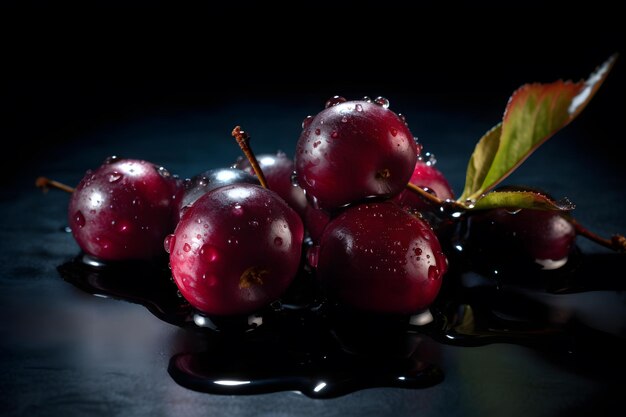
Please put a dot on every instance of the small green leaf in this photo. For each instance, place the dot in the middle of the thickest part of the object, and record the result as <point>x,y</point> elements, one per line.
<point>519,200</point>
<point>534,113</point>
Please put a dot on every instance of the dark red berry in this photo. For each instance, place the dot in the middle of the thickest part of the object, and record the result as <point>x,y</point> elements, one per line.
<point>353,150</point>
<point>425,176</point>
<point>377,257</point>
<point>235,250</point>
<point>124,209</point>
<point>514,239</point>
<point>278,170</point>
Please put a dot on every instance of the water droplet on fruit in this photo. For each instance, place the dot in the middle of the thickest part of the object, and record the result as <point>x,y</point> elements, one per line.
<point>344,119</point>
<point>333,101</point>
<point>307,122</point>
<point>403,118</point>
<point>79,218</point>
<point>367,99</point>
<point>67,229</point>
<point>358,108</point>
<point>318,131</point>
<point>418,251</point>
<point>164,172</point>
<point>111,159</point>
<point>393,131</point>
<point>237,210</point>
<point>187,183</point>
<point>209,252</point>
<point>278,241</point>
<point>317,143</point>
<point>433,273</point>
<point>203,181</point>
<point>294,179</point>
<point>186,247</point>
<point>115,176</point>
<point>124,226</point>
<point>382,101</point>
<point>428,158</point>
<point>168,242</point>
<point>334,134</point>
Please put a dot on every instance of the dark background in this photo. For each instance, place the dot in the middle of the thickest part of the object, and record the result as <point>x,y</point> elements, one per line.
<point>168,85</point>
<point>74,70</point>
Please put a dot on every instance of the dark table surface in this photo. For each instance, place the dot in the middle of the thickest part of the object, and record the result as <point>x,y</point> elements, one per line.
<point>64,352</point>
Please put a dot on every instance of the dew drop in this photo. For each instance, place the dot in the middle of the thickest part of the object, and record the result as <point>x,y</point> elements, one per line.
<point>168,242</point>
<point>358,108</point>
<point>186,247</point>
<point>79,219</point>
<point>317,143</point>
<point>367,99</point>
<point>403,118</point>
<point>318,131</point>
<point>307,122</point>
<point>209,252</point>
<point>237,210</point>
<point>115,176</point>
<point>433,273</point>
<point>164,172</point>
<point>111,159</point>
<point>418,251</point>
<point>334,134</point>
<point>382,101</point>
<point>198,236</point>
<point>278,241</point>
<point>393,131</point>
<point>344,119</point>
<point>294,179</point>
<point>203,181</point>
<point>429,158</point>
<point>333,101</point>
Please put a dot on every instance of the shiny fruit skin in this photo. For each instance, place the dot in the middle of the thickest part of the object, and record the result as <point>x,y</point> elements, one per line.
<point>352,151</point>
<point>123,210</point>
<point>235,250</point>
<point>377,257</point>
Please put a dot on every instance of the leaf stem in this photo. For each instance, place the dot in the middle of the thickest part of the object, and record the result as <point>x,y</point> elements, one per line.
<point>243,140</point>
<point>46,183</point>
<point>433,199</point>
<point>616,242</point>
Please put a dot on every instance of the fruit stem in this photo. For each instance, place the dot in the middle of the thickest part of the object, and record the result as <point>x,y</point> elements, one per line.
<point>617,242</point>
<point>243,140</point>
<point>46,183</point>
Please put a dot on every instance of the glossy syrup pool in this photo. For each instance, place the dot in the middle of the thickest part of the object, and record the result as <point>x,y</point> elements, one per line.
<point>577,314</point>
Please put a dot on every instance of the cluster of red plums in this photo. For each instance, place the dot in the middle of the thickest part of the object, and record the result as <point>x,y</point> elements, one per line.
<point>341,207</point>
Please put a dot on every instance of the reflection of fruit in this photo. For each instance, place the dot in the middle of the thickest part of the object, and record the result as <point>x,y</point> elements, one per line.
<point>353,150</point>
<point>278,170</point>
<point>425,176</point>
<point>123,210</point>
<point>235,250</point>
<point>377,257</point>
<point>521,238</point>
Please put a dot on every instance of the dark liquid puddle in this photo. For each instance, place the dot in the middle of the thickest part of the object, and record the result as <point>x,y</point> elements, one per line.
<point>324,351</point>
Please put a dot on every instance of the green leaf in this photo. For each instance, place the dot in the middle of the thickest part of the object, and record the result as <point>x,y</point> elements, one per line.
<point>520,199</point>
<point>534,113</point>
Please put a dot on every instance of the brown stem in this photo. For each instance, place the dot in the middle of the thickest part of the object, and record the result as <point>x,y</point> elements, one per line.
<point>46,183</point>
<point>616,242</point>
<point>433,199</point>
<point>243,140</point>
